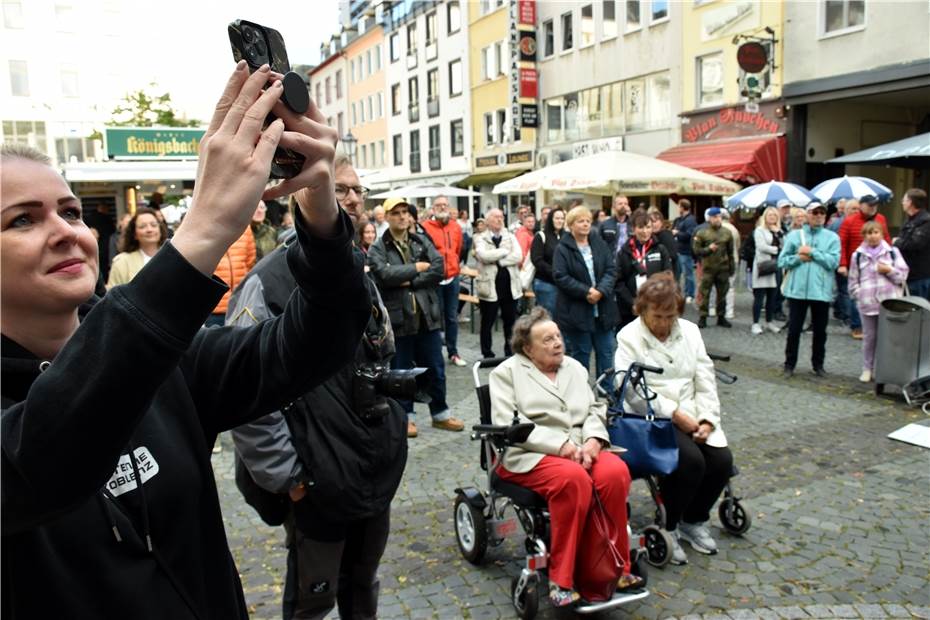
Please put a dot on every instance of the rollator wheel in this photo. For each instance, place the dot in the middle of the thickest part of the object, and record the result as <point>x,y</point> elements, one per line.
<point>659,545</point>
<point>471,531</point>
<point>734,518</point>
<point>526,602</point>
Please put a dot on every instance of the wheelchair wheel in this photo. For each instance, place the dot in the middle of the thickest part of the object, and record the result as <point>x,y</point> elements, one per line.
<point>526,603</point>
<point>640,566</point>
<point>734,518</point>
<point>659,545</point>
<point>471,531</point>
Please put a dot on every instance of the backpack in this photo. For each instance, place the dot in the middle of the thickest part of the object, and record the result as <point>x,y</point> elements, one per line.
<point>748,250</point>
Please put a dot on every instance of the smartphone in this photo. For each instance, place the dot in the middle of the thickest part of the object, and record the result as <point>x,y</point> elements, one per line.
<point>259,45</point>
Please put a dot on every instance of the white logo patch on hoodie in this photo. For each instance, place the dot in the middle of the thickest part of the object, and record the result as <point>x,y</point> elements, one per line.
<point>123,479</point>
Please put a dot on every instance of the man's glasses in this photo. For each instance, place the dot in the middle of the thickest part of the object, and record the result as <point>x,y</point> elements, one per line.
<point>342,191</point>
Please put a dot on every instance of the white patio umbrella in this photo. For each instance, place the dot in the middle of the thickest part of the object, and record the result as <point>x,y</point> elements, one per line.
<point>425,190</point>
<point>619,171</point>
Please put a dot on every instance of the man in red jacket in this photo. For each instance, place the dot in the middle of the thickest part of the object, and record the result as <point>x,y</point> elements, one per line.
<point>447,237</point>
<point>851,238</point>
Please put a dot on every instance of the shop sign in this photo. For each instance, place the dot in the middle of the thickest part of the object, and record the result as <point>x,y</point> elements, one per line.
<point>484,162</point>
<point>152,143</point>
<point>528,46</point>
<point>752,57</point>
<point>514,37</point>
<point>527,9</point>
<point>529,83</point>
<point>523,157</point>
<point>734,122</point>
<point>529,115</point>
<point>593,147</point>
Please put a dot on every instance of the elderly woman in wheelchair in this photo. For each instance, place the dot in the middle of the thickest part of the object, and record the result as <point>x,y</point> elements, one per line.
<point>564,459</point>
<point>686,392</point>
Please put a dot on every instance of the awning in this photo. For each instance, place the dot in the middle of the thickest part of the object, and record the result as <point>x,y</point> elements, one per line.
<point>748,160</point>
<point>131,171</point>
<point>913,152</point>
<point>489,178</point>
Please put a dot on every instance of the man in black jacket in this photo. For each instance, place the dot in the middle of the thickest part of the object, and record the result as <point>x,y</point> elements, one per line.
<point>339,458</point>
<point>683,229</point>
<point>914,242</point>
<point>408,270</point>
<point>615,230</point>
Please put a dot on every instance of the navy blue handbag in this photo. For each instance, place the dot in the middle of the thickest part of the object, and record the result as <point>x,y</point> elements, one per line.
<point>650,441</point>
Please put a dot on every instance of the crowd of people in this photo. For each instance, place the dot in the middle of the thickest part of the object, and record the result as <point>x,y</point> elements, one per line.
<point>208,328</point>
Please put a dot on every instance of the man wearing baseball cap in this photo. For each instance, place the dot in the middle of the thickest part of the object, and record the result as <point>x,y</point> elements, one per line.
<point>714,246</point>
<point>408,269</point>
<point>851,238</point>
<point>810,255</point>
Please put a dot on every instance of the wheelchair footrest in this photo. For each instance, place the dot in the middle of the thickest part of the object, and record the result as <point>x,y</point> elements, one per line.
<point>585,607</point>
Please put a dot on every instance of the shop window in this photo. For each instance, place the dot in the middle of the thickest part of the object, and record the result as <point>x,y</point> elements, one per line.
<point>567,25</point>
<point>633,21</point>
<point>609,21</point>
<point>842,15</point>
<point>548,38</point>
<point>710,79</point>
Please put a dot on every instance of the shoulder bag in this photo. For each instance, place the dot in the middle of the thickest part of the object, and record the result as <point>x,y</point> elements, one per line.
<point>528,271</point>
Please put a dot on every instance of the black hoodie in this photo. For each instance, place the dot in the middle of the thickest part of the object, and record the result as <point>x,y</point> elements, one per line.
<point>141,390</point>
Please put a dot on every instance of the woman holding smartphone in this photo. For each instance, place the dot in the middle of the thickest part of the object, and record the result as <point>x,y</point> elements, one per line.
<point>111,406</point>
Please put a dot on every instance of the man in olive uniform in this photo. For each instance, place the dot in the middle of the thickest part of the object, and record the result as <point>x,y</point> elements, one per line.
<point>714,246</point>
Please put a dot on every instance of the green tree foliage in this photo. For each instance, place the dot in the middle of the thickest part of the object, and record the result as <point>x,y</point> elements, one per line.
<point>140,109</point>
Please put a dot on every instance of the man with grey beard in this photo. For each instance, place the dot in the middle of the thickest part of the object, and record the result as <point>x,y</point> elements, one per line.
<point>447,236</point>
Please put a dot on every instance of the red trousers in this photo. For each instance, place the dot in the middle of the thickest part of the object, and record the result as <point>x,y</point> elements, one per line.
<point>567,487</point>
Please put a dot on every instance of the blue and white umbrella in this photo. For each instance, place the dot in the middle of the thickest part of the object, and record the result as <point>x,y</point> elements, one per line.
<point>850,187</point>
<point>769,194</point>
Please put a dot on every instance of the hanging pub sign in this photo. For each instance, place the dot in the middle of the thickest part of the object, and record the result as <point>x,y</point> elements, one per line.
<point>529,115</point>
<point>528,46</point>
<point>752,57</point>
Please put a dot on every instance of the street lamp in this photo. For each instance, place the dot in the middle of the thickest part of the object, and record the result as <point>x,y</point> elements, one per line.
<point>350,143</point>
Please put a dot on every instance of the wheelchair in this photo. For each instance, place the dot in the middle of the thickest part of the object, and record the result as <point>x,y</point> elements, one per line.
<point>734,517</point>
<point>481,516</point>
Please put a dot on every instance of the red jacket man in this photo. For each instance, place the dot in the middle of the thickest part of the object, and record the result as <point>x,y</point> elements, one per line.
<point>446,235</point>
<point>851,229</point>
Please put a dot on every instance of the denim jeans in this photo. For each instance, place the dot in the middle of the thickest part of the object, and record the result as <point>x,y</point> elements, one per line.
<point>686,267</point>
<point>760,295</point>
<point>449,308</point>
<point>545,294</point>
<point>920,288</point>
<point>841,305</point>
<point>424,350</point>
<point>853,311</point>
<point>578,345</point>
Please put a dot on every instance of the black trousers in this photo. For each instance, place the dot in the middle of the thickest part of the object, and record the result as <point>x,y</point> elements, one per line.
<point>507,306</point>
<point>336,565</point>
<point>820,314</point>
<point>690,491</point>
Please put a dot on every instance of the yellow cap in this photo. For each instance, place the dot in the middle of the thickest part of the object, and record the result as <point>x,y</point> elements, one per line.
<point>390,203</point>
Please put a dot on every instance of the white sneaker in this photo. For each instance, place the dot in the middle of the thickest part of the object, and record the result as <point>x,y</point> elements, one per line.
<point>730,316</point>
<point>458,361</point>
<point>678,554</point>
<point>756,329</point>
<point>712,312</point>
<point>699,536</point>
<point>772,327</point>
<point>688,300</point>
<point>866,376</point>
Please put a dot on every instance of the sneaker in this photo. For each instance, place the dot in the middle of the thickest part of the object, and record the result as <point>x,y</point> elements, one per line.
<point>856,334</point>
<point>787,373</point>
<point>713,312</point>
<point>678,554</point>
<point>820,372</point>
<point>411,429</point>
<point>702,322</point>
<point>449,424</point>
<point>780,316</point>
<point>772,327</point>
<point>756,329</point>
<point>458,361</point>
<point>699,536</point>
<point>866,376</point>
<point>561,597</point>
<point>689,299</point>
<point>722,322</point>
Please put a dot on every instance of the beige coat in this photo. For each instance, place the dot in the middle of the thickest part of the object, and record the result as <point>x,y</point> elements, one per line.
<point>566,410</point>
<point>125,267</point>
<point>508,255</point>
<point>688,381</point>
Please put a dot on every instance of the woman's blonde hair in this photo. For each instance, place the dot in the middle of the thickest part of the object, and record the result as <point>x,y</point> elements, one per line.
<point>872,226</point>
<point>798,212</point>
<point>575,213</point>
<point>760,223</point>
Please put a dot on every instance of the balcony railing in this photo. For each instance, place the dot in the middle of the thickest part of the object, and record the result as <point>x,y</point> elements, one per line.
<point>432,107</point>
<point>432,50</point>
<point>412,59</point>
<point>413,113</point>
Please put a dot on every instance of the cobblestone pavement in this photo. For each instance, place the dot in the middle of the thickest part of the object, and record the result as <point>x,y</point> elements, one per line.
<point>841,514</point>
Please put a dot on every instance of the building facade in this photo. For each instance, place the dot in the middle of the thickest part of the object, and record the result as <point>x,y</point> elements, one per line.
<point>857,75</point>
<point>328,84</point>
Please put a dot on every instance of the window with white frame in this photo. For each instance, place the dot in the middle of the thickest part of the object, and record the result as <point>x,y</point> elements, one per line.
<point>352,77</point>
<point>379,105</point>
<point>457,138</point>
<point>352,109</point>
<point>395,100</point>
<point>432,84</point>
<point>319,93</point>
<point>587,25</point>
<point>361,112</point>
<point>658,101</point>
<point>64,17</point>
<point>659,10</point>
<point>13,15</point>
<point>633,20</point>
<point>488,63</point>
<point>415,150</point>
<point>19,78</point>
<point>453,17</point>
<point>382,160</point>
<point>398,147</point>
<point>841,15</point>
<point>499,50</point>
<point>339,84</point>
<point>567,25</point>
<point>69,81</point>
<point>377,58</point>
<point>394,44</point>
<point>341,124</point>
<point>548,38</point>
<point>367,64</point>
<point>435,148</point>
<point>485,7</point>
<point>710,79</point>
<point>412,39</point>
<point>370,102</point>
<point>329,89</point>
<point>455,78</point>
<point>431,28</point>
<point>609,19</point>
<point>502,126</point>
<point>489,133</point>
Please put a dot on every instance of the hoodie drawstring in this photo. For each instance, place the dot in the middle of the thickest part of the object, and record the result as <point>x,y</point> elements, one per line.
<point>105,498</point>
<point>145,509</point>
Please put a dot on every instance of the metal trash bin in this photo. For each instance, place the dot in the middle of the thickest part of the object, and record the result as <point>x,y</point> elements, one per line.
<point>902,350</point>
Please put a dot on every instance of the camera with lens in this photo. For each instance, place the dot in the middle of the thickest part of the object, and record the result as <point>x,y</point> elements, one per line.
<point>375,383</point>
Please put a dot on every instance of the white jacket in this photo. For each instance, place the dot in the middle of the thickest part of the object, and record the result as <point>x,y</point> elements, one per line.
<point>508,255</point>
<point>688,382</point>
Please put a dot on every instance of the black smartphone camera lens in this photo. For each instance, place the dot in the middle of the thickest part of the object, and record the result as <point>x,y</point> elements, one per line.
<point>260,50</point>
<point>248,34</point>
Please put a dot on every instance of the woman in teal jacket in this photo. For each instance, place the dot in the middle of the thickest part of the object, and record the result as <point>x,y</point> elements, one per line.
<point>810,257</point>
